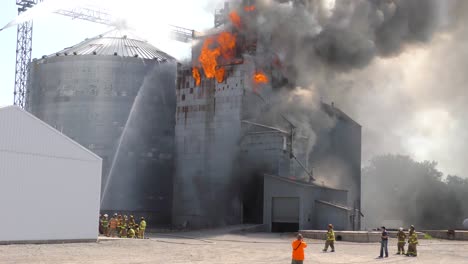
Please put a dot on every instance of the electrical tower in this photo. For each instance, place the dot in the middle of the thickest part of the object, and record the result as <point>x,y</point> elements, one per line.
<point>23,53</point>
<point>24,41</point>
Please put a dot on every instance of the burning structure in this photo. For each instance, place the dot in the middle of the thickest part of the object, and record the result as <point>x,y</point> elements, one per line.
<point>250,145</point>
<point>239,157</point>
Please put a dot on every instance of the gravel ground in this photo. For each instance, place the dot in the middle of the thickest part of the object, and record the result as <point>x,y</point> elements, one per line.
<point>218,246</point>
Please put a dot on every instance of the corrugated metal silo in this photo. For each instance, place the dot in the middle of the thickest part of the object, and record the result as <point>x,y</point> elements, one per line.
<point>89,92</point>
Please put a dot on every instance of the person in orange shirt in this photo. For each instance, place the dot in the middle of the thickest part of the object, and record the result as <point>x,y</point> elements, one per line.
<point>298,246</point>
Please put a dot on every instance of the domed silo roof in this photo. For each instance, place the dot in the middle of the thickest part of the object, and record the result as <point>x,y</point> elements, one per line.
<point>117,43</point>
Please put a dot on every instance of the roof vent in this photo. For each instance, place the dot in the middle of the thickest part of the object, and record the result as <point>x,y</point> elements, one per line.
<point>66,53</point>
<point>94,52</point>
<point>57,54</point>
<point>44,56</point>
<point>74,53</point>
<point>124,36</point>
<point>136,55</point>
<point>115,53</point>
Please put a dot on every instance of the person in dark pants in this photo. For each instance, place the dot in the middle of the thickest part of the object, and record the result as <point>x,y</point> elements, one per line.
<point>384,243</point>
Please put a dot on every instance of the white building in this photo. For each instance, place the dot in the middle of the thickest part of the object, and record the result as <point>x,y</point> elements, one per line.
<point>50,185</point>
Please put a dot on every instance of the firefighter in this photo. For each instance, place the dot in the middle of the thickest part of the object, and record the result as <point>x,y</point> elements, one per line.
<point>100,224</point>
<point>130,232</point>
<point>119,224</point>
<point>401,241</point>
<point>137,231</point>
<point>142,226</point>
<point>113,226</point>
<point>123,232</point>
<point>131,222</point>
<point>125,221</point>
<point>105,225</point>
<point>412,243</point>
<point>123,227</point>
<point>330,239</point>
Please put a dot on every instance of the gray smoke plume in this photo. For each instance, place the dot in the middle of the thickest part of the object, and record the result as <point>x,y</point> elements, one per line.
<point>389,64</point>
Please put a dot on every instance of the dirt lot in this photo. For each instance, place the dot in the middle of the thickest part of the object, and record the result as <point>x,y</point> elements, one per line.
<point>219,246</point>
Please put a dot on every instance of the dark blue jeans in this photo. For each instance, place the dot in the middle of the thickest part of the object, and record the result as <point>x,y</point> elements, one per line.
<point>383,245</point>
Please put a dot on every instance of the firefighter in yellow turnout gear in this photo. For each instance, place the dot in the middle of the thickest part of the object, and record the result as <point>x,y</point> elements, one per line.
<point>412,243</point>
<point>123,227</point>
<point>105,225</point>
<point>401,241</point>
<point>142,227</point>
<point>330,239</point>
<point>131,232</point>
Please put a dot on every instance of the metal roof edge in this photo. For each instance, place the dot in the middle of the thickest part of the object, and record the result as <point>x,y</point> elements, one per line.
<point>312,185</point>
<point>334,205</point>
<point>26,113</point>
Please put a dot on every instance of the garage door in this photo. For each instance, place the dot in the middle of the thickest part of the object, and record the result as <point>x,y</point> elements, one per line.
<point>285,210</point>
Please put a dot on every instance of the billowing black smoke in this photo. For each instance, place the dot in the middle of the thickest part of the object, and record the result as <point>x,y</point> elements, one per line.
<point>347,36</point>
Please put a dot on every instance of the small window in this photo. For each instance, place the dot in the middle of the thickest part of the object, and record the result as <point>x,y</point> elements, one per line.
<point>183,97</point>
<point>191,90</point>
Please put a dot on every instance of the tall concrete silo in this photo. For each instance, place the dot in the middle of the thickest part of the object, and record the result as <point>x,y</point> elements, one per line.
<point>115,94</point>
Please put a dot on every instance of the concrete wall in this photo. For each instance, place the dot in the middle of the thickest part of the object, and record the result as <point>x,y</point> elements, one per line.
<point>307,194</point>
<point>50,185</point>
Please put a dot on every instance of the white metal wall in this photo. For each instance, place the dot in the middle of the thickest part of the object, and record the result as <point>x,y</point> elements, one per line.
<point>49,190</point>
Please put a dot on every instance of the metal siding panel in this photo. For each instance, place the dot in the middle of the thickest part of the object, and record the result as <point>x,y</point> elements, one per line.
<point>61,194</point>
<point>285,209</point>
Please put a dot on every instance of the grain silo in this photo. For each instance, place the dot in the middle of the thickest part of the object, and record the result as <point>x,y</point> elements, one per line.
<point>114,94</point>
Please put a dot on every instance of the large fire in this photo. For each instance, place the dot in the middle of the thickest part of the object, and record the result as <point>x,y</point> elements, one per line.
<point>227,43</point>
<point>219,74</point>
<point>213,50</point>
<point>196,76</point>
<point>220,50</point>
<point>208,58</point>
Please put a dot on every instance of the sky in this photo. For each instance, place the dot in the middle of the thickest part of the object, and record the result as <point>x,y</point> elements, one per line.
<point>53,32</point>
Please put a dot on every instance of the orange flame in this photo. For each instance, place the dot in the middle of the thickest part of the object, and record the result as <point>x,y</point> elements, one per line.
<point>219,74</point>
<point>249,8</point>
<point>260,78</point>
<point>227,43</point>
<point>208,58</point>
<point>235,19</point>
<point>225,47</point>
<point>196,76</point>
